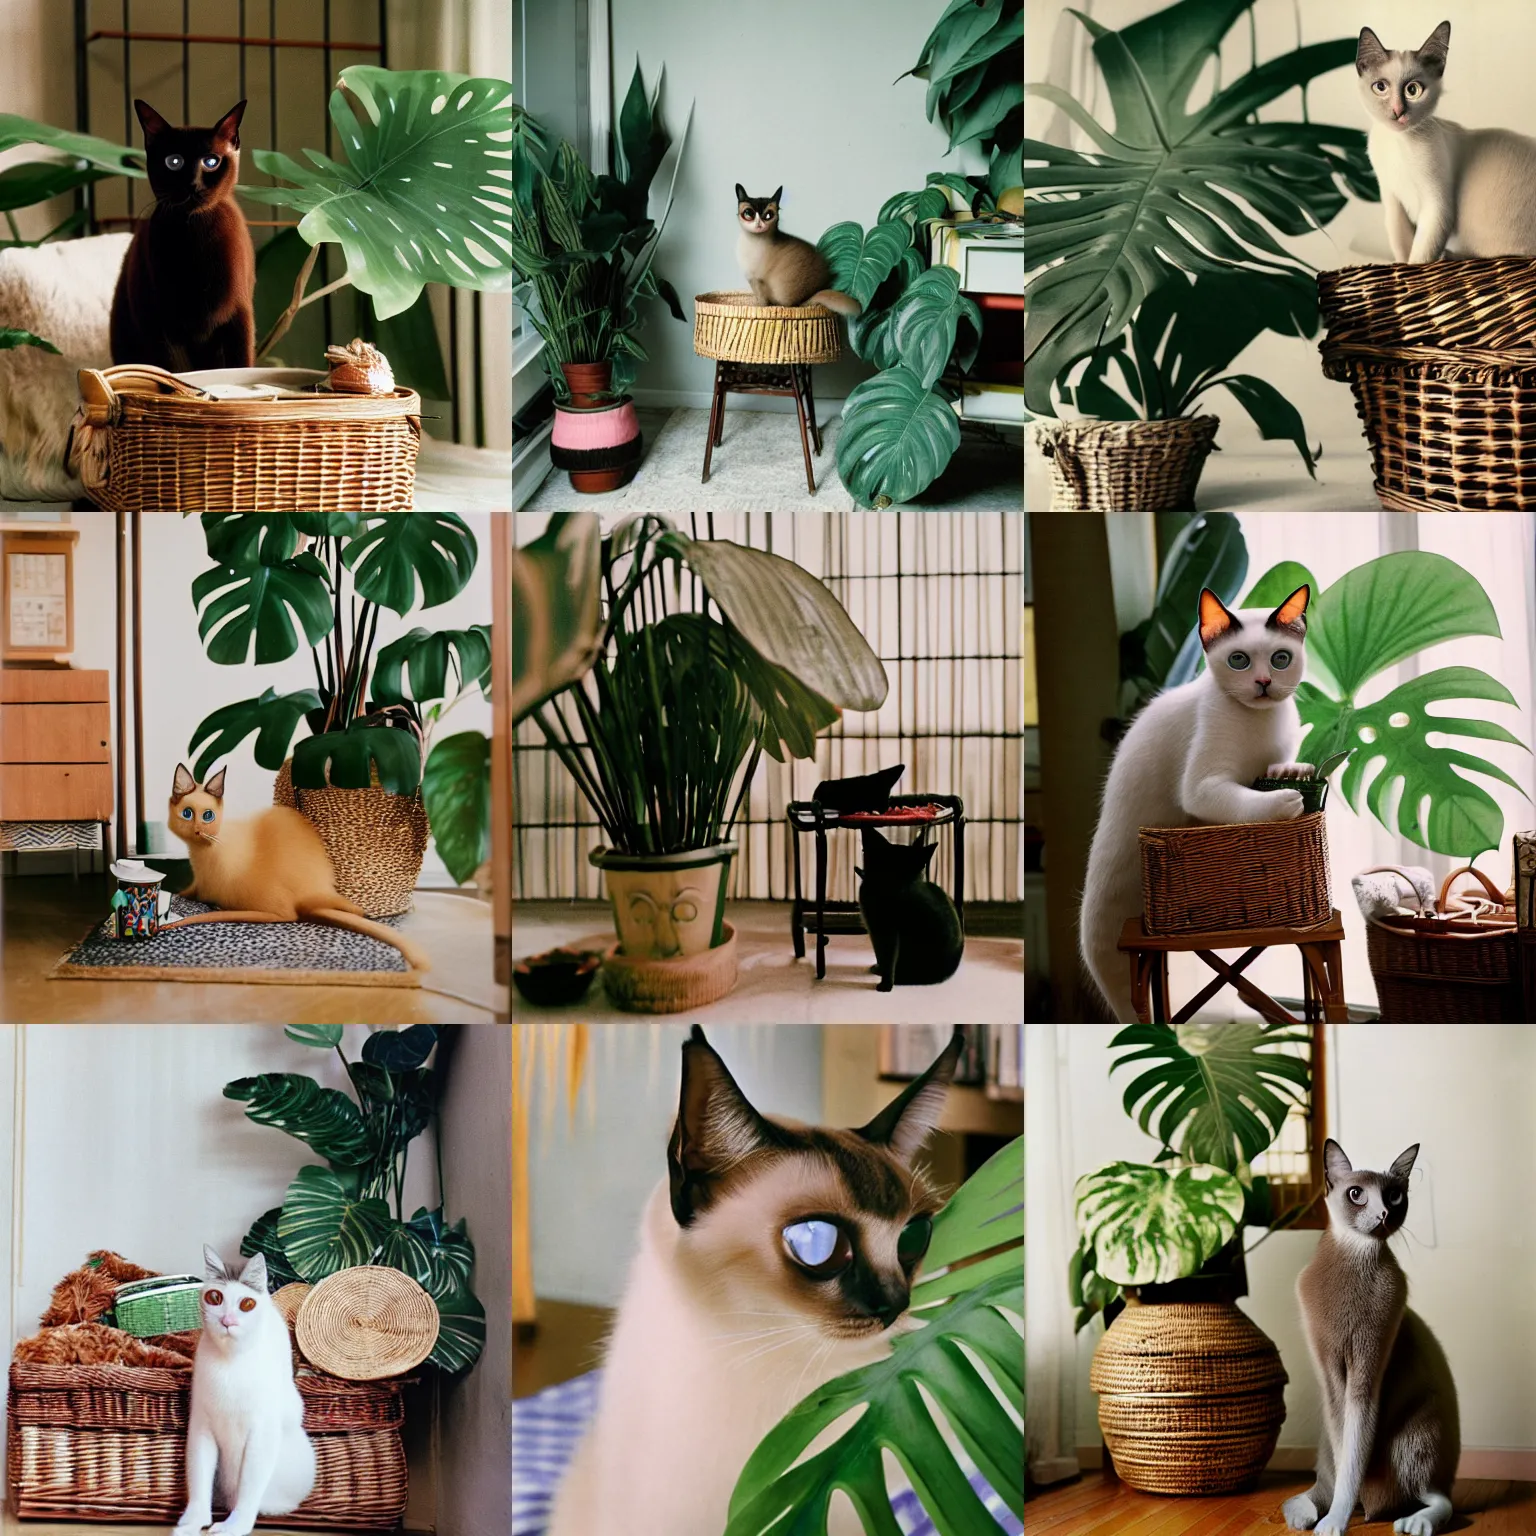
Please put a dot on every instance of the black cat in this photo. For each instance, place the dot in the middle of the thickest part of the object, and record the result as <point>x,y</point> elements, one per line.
<point>917,933</point>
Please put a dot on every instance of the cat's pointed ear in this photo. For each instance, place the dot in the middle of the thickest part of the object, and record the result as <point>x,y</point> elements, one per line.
<point>911,1117</point>
<point>1291,614</point>
<point>213,1265</point>
<point>183,783</point>
<point>227,129</point>
<point>1368,52</point>
<point>150,120</point>
<point>1433,50</point>
<point>254,1274</point>
<point>215,785</point>
<point>777,195</point>
<point>716,1128</point>
<point>1402,1166</point>
<point>1335,1163</point>
<point>928,851</point>
<point>741,194</point>
<point>1215,618</point>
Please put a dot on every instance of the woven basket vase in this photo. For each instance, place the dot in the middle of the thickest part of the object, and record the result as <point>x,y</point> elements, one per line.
<point>148,441</point>
<point>1442,361</point>
<point>1260,874</point>
<point>109,1442</point>
<point>734,328</point>
<point>1126,466</point>
<point>1191,1396</point>
<point>376,840</point>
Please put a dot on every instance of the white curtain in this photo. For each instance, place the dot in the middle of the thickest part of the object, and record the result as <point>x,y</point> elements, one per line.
<point>1050,1356</point>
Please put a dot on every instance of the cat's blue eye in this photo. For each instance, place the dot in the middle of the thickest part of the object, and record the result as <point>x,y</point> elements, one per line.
<point>820,1246</point>
<point>186,813</point>
<point>1280,660</point>
<point>207,815</point>
<point>914,1240</point>
<point>210,162</point>
<point>1238,661</point>
<point>174,162</point>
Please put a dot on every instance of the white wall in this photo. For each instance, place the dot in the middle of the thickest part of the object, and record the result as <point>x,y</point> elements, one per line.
<point>1464,1094</point>
<point>181,685</point>
<point>590,1177</point>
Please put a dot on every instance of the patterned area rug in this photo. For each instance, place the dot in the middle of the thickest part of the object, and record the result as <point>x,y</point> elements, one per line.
<point>285,953</point>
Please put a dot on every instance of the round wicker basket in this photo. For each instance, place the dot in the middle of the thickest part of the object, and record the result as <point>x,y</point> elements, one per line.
<point>367,1322</point>
<point>376,840</point>
<point>1126,466</point>
<point>147,440</point>
<point>734,328</point>
<point>671,986</point>
<point>1191,1396</point>
<point>288,1299</point>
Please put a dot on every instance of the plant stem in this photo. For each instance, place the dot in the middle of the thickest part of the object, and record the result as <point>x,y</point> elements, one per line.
<point>285,319</point>
<point>320,293</point>
<point>10,219</point>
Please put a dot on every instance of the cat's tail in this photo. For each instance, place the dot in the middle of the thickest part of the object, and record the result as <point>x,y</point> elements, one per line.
<point>1109,898</point>
<point>414,954</point>
<point>838,303</point>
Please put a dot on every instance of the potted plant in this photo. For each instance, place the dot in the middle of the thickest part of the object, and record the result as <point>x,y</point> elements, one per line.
<point>1160,1254</point>
<point>663,733</point>
<point>367,773</point>
<point>337,1216</point>
<point>1164,195</point>
<point>582,251</point>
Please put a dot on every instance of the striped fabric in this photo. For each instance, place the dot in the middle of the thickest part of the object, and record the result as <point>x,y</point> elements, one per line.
<point>547,1426</point>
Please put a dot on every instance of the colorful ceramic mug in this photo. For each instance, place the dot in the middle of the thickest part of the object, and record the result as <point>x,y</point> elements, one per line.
<point>138,903</point>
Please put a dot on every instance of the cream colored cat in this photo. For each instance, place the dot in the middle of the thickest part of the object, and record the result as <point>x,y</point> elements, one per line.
<point>782,268</point>
<point>270,869</point>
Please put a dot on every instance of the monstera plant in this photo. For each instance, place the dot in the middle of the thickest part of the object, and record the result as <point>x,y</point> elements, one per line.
<point>338,1216</point>
<point>369,713</point>
<point>967,1358</point>
<point>1214,1097</point>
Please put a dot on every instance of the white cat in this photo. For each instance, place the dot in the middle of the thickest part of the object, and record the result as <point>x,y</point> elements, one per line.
<point>772,1259</point>
<point>1469,190</point>
<point>1190,758</point>
<point>246,1437</point>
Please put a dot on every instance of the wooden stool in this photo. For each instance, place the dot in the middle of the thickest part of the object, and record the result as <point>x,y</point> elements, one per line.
<point>1322,972</point>
<point>765,379</point>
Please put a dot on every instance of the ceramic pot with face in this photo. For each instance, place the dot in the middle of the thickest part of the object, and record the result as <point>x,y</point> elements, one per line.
<point>667,905</point>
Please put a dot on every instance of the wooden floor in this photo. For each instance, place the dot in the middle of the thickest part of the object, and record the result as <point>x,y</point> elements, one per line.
<point>1099,1504</point>
<point>566,1341</point>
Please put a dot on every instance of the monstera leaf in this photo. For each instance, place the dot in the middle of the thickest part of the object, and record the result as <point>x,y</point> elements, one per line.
<point>456,786</point>
<point>12,336</point>
<point>115,159</point>
<point>239,603</point>
<point>325,1226</point>
<point>251,538</point>
<point>324,1119</point>
<point>897,437</point>
<point>860,262</point>
<point>348,759</point>
<point>556,617</point>
<point>423,194</point>
<point>1219,1094</point>
<point>966,1358</point>
<point>398,549</point>
<point>262,1238</point>
<point>1149,1225</point>
<point>1087,1289</point>
<point>423,656</point>
<point>274,717</point>
<point>925,320</point>
<point>460,1331</point>
<point>401,1050</point>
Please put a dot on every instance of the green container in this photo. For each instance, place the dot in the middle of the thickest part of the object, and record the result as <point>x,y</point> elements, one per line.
<point>165,1304</point>
<point>1313,792</point>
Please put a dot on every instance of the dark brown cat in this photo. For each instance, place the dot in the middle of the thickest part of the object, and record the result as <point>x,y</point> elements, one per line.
<point>183,298</point>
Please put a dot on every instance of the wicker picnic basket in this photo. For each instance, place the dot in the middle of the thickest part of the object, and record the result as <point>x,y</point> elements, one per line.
<point>108,1443</point>
<point>146,440</point>
<point>734,328</point>
<point>1126,466</point>
<point>1191,1396</point>
<point>376,840</point>
<point>1260,874</point>
<point>1458,969</point>
<point>1442,361</point>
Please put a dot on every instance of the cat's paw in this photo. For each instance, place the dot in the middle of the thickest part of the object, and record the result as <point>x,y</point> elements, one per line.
<point>1417,1524</point>
<point>886,984</point>
<point>1289,771</point>
<point>230,1526</point>
<point>193,1524</point>
<point>1300,1513</point>
<point>1331,1525</point>
<point>1285,804</point>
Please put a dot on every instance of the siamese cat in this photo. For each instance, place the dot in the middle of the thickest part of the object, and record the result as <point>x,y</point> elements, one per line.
<point>184,298</point>
<point>912,923</point>
<point>1391,1431</point>
<point>1190,758</point>
<point>1470,190</point>
<point>271,869</point>
<point>781,268</point>
<point>246,1445</point>
<point>773,1257</point>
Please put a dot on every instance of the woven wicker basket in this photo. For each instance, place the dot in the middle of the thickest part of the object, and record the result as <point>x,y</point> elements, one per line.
<point>642,985</point>
<point>1191,1396</point>
<point>108,1443</point>
<point>734,328</point>
<point>149,441</point>
<point>1260,874</point>
<point>367,1322</point>
<point>1126,466</point>
<point>1442,360</point>
<point>376,840</point>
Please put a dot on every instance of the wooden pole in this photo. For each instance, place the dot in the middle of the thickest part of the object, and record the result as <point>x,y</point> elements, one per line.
<point>121,839</point>
<point>140,831</point>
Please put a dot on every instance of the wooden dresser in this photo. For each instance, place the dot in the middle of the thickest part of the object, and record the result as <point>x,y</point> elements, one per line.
<point>55,759</point>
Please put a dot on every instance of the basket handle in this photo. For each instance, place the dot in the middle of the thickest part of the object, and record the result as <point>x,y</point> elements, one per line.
<point>100,398</point>
<point>1494,893</point>
<point>1394,869</point>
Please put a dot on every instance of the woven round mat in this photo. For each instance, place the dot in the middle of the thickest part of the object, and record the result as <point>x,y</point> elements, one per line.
<point>366,1323</point>
<point>289,1299</point>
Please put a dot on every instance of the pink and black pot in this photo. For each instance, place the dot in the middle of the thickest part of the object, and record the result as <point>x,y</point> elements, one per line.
<point>598,445</point>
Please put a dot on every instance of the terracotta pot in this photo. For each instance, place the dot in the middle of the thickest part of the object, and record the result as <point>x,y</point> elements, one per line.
<point>600,445</point>
<point>667,905</point>
<point>589,383</point>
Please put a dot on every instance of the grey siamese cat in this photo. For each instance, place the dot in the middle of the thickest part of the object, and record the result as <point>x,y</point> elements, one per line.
<point>913,925</point>
<point>1391,1431</point>
<point>782,268</point>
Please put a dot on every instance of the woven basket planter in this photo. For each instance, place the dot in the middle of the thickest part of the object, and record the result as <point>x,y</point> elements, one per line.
<point>109,1443</point>
<point>376,840</point>
<point>671,986</point>
<point>734,328</point>
<point>148,441</point>
<point>1126,466</point>
<point>1191,1396</point>
<point>1442,361</point>
<point>1252,874</point>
